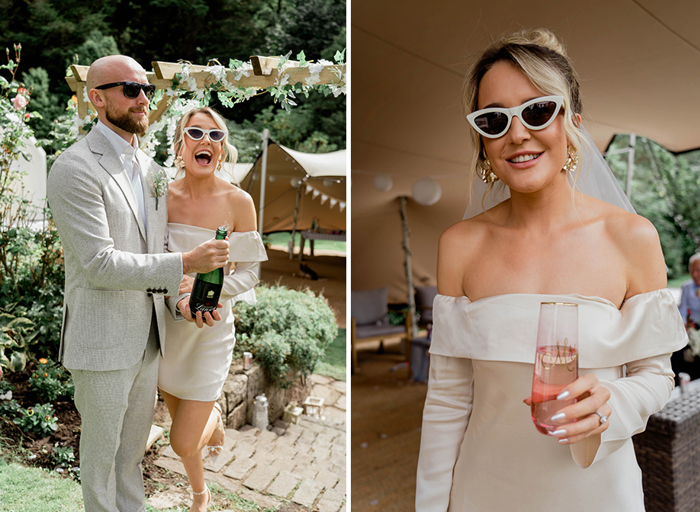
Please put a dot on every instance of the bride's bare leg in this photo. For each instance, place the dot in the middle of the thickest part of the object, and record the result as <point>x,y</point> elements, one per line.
<point>192,427</point>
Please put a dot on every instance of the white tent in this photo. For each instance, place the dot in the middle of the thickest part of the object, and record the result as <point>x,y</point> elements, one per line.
<point>317,178</point>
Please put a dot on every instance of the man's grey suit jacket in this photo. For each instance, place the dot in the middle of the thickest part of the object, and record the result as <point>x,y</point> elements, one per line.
<point>116,274</point>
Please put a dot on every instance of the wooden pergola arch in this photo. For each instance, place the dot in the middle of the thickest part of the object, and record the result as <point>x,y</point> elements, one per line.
<point>265,74</point>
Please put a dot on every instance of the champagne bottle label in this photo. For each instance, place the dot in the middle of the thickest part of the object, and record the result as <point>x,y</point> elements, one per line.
<point>205,297</point>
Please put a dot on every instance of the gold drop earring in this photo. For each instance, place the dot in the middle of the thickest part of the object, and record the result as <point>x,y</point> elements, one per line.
<point>571,160</point>
<point>485,172</point>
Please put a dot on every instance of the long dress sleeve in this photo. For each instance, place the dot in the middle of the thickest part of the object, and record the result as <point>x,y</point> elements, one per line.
<point>448,405</point>
<point>634,398</point>
<point>243,278</point>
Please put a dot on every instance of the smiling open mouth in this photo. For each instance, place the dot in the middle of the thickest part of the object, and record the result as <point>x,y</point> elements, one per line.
<point>203,157</point>
<point>525,158</point>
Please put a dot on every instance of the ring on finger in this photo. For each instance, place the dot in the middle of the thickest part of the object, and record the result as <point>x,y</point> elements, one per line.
<point>603,417</point>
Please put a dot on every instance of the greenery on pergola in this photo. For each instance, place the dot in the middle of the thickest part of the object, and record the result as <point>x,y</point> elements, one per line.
<point>183,86</point>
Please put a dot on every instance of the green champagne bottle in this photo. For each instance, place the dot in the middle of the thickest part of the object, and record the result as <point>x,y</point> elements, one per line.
<point>207,287</point>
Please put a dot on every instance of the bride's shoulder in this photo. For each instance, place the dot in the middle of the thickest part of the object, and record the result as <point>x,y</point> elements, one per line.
<point>619,224</point>
<point>627,227</point>
<point>464,233</point>
<point>637,241</point>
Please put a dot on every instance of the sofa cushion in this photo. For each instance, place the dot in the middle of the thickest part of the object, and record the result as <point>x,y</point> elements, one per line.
<point>369,306</point>
<point>368,331</point>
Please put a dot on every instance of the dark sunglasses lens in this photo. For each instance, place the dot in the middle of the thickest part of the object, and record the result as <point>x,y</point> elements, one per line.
<point>132,90</point>
<point>217,135</point>
<point>195,133</point>
<point>492,123</point>
<point>149,90</point>
<point>539,113</point>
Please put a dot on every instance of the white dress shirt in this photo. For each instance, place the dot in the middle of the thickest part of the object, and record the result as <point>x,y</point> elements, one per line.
<point>133,160</point>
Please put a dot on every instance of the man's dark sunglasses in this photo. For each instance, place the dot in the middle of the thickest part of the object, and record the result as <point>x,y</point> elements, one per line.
<point>132,89</point>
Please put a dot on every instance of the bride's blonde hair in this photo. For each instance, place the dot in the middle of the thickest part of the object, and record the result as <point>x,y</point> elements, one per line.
<point>542,58</point>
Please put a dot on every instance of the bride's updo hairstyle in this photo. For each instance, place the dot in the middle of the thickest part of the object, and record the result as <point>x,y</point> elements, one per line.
<point>230,151</point>
<point>541,57</point>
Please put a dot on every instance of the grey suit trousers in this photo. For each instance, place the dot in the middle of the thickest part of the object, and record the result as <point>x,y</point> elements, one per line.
<point>116,410</point>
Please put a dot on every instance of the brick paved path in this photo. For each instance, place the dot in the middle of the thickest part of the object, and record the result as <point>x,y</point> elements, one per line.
<point>303,464</point>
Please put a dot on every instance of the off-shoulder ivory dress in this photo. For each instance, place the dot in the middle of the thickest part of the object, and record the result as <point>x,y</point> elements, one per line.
<point>480,451</point>
<point>196,361</point>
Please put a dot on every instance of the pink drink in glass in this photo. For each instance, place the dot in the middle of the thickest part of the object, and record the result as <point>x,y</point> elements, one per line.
<point>556,362</point>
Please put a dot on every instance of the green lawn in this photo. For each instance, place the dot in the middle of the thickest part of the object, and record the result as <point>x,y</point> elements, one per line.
<point>677,282</point>
<point>25,489</point>
<point>333,362</point>
<point>282,238</point>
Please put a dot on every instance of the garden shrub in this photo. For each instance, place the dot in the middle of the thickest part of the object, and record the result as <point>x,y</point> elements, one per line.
<point>51,381</point>
<point>39,420</point>
<point>287,331</point>
<point>31,269</point>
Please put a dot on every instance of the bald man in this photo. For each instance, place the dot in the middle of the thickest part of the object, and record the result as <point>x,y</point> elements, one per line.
<point>118,273</point>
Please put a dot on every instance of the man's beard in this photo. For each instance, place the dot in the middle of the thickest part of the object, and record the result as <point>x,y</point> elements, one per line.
<point>126,122</point>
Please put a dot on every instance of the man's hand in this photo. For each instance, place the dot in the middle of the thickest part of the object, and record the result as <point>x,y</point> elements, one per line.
<point>205,257</point>
<point>209,319</point>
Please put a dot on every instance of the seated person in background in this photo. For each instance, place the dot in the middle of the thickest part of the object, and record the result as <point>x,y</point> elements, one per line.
<point>684,360</point>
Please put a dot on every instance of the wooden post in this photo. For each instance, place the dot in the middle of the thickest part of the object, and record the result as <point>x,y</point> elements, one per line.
<point>413,326</point>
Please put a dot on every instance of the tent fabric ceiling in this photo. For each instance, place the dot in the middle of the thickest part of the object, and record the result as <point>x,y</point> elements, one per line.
<point>323,194</point>
<point>639,67</point>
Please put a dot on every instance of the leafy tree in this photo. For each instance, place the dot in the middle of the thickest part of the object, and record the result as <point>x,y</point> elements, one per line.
<point>58,33</point>
<point>95,46</point>
<point>665,189</point>
<point>44,102</point>
<point>308,25</point>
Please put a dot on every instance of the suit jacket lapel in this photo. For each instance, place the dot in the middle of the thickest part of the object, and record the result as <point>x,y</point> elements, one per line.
<point>111,163</point>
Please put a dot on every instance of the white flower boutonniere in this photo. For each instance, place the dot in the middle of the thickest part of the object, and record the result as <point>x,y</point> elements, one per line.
<point>160,184</point>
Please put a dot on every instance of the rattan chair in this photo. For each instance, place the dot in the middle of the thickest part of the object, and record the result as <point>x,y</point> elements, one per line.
<point>668,453</point>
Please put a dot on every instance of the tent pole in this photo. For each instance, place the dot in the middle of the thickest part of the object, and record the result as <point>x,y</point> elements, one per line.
<point>409,269</point>
<point>263,181</point>
<point>294,224</point>
<point>630,166</point>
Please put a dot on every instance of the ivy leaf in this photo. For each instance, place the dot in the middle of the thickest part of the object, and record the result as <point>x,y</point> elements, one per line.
<point>340,56</point>
<point>301,57</point>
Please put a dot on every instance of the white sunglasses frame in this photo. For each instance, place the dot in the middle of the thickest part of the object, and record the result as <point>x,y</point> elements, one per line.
<point>205,132</point>
<point>516,112</point>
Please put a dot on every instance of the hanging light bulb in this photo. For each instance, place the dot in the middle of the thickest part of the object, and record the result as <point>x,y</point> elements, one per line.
<point>426,191</point>
<point>383,183</point>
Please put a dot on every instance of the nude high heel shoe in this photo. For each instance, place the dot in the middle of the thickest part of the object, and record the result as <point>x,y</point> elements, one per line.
<point>216,449</point>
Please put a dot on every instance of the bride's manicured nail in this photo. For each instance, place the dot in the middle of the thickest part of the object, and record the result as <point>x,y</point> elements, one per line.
<point>560,432</point>
<point>563,440</point>
<point>558,416</point>
<point>563,396</point>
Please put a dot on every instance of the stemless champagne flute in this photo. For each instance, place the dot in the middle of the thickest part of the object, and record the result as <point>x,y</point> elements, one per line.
<point>556,361</point>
